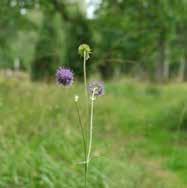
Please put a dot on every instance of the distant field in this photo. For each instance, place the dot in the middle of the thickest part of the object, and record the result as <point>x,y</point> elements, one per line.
<point>140,136</point>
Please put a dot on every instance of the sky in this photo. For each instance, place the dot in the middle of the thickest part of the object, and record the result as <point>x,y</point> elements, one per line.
<point>91,6</point>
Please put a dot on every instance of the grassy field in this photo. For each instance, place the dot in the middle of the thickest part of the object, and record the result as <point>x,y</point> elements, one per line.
<point>140,138</point>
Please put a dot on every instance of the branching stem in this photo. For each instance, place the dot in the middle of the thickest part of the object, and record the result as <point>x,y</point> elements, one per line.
<point>84,142</point>
<point>91,127</point>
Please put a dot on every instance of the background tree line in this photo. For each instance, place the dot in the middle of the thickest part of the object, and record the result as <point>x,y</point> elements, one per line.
<point>144,38</point>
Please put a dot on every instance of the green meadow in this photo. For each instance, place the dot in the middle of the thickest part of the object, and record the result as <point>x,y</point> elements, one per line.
<point>140,136</point>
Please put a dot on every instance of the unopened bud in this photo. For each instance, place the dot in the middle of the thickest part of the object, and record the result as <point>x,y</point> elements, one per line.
<point>93,98</point>
<point>76,98</point>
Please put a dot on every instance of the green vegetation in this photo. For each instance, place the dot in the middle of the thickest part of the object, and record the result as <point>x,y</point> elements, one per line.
<point>137,141</point>
<point>140,126</point>
<point>146,38</point>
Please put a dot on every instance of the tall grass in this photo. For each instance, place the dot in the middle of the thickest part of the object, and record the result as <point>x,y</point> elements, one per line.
<point>135,137</point>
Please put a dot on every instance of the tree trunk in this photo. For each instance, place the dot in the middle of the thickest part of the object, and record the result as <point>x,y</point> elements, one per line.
<point>161,56</point>
<point>181,74</point>
<point>166,70</point>
<point>185,68</point>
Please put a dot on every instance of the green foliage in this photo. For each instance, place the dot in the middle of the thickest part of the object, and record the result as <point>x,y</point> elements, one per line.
<point>48,51</point>
<point>77,33</point>
<point>141,32</point>
<point>129,37</point>
<point>11,22</point>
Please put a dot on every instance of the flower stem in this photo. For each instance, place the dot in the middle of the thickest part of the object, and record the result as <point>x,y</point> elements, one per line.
<point>91,127</point>
<point>86,92</point>
<point>85,77</point>
<point>84,143</point>
<point>87,112</point>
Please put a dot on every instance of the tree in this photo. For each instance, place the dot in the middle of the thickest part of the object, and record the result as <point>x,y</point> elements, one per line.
<point>11,23</point>
<point>76,31</point>
<point>139,31</point>
<point>181,39</point>
<point>47,51</point>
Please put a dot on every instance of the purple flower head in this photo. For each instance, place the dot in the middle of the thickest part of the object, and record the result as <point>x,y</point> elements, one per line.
<point>96,87</point>
<point>64,76</point>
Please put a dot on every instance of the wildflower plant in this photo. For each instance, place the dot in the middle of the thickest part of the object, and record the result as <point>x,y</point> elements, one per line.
<point>93,90</point>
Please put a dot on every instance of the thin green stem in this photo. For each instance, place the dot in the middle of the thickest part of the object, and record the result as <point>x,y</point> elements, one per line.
<point>86,91</point>
<point>91,127</point>
<point>85,76</point>
<point>84,143</point>
<point>87,112</point>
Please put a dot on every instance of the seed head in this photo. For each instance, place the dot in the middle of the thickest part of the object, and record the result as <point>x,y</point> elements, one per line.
<point>96,88</point>
<point>76,98</point>
<point>84,50</point>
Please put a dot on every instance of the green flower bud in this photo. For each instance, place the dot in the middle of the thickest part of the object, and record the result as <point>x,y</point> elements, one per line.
<point>84,50</point>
